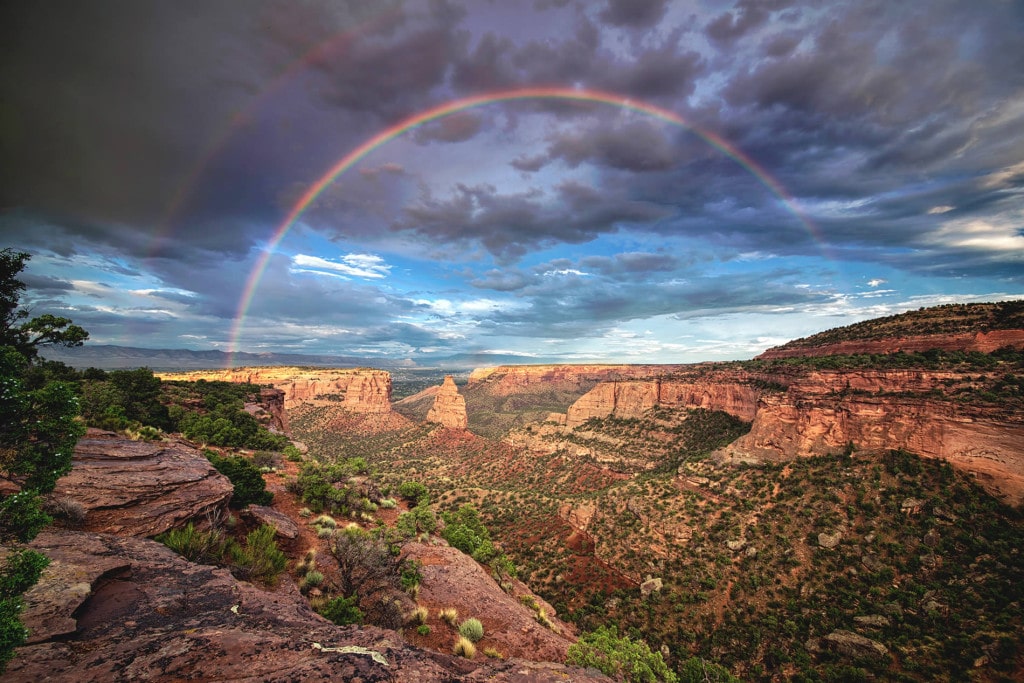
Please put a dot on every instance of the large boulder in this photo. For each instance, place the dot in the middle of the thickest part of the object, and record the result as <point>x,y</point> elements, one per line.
<point>112,608</point>
<point>140,488</point>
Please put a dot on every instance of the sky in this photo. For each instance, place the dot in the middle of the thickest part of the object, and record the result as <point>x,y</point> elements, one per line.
<point>553,180</point>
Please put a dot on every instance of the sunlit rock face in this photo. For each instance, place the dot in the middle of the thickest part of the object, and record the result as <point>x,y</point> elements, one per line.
<point>805,412</point>
<point>449,406</point>
<point>357,390</point>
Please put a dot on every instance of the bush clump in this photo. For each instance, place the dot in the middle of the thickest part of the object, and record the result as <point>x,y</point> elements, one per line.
<point>203,547</point>
<point>472,628</point>
<point>619,657</point>
<point>342,611</point>
<point>260,559</point>
<point>245,477</point>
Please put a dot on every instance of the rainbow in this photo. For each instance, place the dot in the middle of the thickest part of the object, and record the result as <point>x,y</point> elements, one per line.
<point>455,106</point>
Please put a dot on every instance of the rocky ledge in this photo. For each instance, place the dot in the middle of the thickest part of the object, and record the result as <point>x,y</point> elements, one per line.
<point>111,608</point>
<point>140,488</point>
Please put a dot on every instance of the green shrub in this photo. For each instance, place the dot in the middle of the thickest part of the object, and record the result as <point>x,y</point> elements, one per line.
<point>245,477</point>
<point>413,491</point>
<point>343,611</point>
<point>472,628</point>
<point>622,658</point>
<point>260,559</point>
<point>423,630</point>
<point>697,670</point>
<point>204,547</point>
<point>312,579</point>
<point>492,653</point>
<point>325,521</point>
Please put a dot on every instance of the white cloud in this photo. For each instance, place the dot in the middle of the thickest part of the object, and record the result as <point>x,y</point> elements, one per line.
<point>945,208</point>
<point>980,235</point>
<point>356,265</point>
<point>876,282</point>
<point>1003,177</point>
<point>566,271</point>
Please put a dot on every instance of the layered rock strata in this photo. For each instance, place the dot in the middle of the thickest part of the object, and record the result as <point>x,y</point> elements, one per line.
<point>357,390</point>
<point>506,380</point>
<point>799,413</point>
<point>140,488</point>
<point>633,398</point>
<point>449,408</point>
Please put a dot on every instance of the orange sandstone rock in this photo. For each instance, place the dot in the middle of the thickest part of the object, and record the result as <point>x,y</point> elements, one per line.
<point>449,406</point>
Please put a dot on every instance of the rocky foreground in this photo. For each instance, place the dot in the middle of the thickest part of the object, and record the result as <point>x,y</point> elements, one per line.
<point>114,608</point>
<point>121,607</point>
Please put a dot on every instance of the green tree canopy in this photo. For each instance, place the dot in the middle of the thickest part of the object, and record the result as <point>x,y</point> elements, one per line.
<point>38,432</point>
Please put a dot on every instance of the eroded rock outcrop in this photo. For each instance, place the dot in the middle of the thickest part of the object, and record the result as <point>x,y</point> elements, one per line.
<point>357,390</point>
<point>799,412</point>
<point>140,488</point>
<point>114,608</point>
<point>506,380</point>
<point>449,408</point>
<point>633,398</point>
<point>822,411</point>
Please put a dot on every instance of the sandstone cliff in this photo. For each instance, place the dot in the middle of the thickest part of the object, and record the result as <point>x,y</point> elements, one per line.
<point>632,398</point>
<point>821,412</point>
<point>357,390</point>
<point>798,412</point>
<point>505,380</point>
<point>449,408</point>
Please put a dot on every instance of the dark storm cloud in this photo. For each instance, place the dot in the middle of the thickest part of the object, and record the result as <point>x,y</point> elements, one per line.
<point>637,146</point>
<point>630,264</point>
<point>455,128</point>
<point>633,13</point>
<point>164,142</point>
<point>504,280</point>
<point>508,225</point>
<point>44,284</point>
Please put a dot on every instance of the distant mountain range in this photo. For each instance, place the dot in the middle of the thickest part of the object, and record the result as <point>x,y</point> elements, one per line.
<point>110,357</point>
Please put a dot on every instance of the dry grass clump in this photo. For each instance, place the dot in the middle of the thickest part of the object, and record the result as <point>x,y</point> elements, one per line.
<point>464,648</point>
<point>418,616</point>
<point>450,615</point>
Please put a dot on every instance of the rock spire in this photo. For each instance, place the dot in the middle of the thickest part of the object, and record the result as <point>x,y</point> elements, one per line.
<point>449,406</point>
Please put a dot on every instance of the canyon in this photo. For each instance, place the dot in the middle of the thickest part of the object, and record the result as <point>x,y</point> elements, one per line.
<point>799,413</point>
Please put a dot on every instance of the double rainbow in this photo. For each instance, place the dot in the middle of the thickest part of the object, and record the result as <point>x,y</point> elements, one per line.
<point>455,106</point>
